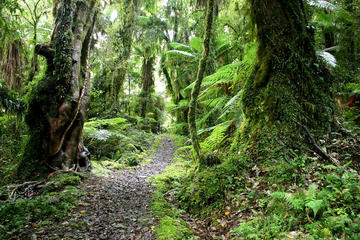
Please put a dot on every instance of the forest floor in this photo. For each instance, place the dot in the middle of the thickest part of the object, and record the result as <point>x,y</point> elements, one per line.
<point>116,206</point>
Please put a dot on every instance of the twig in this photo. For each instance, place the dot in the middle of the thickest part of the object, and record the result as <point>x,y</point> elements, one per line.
<point>317,148</point>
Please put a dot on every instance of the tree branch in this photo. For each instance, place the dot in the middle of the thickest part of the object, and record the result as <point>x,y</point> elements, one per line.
<point>45,51</point>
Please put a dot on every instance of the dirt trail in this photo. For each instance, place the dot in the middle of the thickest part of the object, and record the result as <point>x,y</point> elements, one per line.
<point>116,207</point>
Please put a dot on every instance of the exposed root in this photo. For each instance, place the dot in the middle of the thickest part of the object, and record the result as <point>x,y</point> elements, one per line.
<point>317,149</point>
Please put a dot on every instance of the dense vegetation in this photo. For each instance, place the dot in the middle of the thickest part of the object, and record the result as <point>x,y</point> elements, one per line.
<point>260,96</point>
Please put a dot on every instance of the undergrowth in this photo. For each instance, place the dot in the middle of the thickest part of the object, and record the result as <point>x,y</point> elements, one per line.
<point>299,196</point>
<point>116,143</point>
<point>327,209</point>
<point>12,136</point>
<point>49,203</point>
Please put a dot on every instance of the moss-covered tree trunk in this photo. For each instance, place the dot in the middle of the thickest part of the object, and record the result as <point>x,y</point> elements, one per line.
<point>56,108</point>
<point>147,85</point>
<point>34,60</point>
<point>126,36</point>
<point>288,87</point>
<point>200,75</point>
<point>349,39</point>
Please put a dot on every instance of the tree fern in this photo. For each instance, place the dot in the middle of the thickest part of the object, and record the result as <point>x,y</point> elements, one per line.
<point>213,141</point>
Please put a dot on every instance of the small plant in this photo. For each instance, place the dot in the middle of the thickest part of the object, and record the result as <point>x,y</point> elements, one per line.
<point>328,209</point>
<point>271,227</point>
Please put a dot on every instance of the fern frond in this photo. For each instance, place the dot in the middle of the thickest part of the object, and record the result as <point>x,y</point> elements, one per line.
<point>181,47</point>
<point>210,129</point>
<point>310,194</point>
<point>322,4</point>
<point>179,54</point>
<point>295,201</point>
<point>214,140</point>
<point>328,58</point>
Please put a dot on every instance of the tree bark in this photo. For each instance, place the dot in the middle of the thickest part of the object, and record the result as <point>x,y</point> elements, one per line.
<point>34,59</point>
<point>200,75</point>
<point>288,84</point>
<point>349,40</point>
<point>56,108</point>
<point>148,85</point>
<point>126,36</point>
<point>12,63</point>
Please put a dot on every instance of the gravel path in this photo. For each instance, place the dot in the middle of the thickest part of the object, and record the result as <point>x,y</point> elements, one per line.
<point>118,206</point>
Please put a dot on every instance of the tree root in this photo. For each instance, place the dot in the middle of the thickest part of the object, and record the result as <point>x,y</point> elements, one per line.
<point>28,186</point>
<point>317,149</point>
<point>73,170</point>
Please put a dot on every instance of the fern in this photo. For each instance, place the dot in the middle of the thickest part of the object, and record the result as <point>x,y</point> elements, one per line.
<point>302,201</point>
<point>322,4</point>
<point>297,202</point>
<point>215,106</point>
<point>328,58</point>
<point>214,140</point>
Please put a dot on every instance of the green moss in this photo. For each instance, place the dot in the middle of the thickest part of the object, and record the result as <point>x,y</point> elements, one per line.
<point>70,180</point>
<point>99,170</point>
<point>15,215</point>
<point>113,165</point>
<point>170,225</point>
<point>263,71</point>
<point>60,182</point>
<point>205,189</point>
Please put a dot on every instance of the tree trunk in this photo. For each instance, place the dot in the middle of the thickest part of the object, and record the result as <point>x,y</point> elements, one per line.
<point>34,59</point>
<point>56,108</point>
<point>126,35</point>
<point>148,85</point>
<point>200,75</point>
<point>348,39</point>
<point>288,87</point>
<point>12,63</point>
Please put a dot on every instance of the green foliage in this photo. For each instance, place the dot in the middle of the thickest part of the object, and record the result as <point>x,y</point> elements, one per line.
<point>270,227</point>
<point>170,225</point>
<point>10,101</point>
<point>154,117</point>
<point>113,124</point>
<point>116,143</point>
<point>329,210</point>
<point>204,189</point>
<point>54,203</point>
<point>12,138</point>
<point>8,23</point>
<point>213,142</point>
<point>59,182</point>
